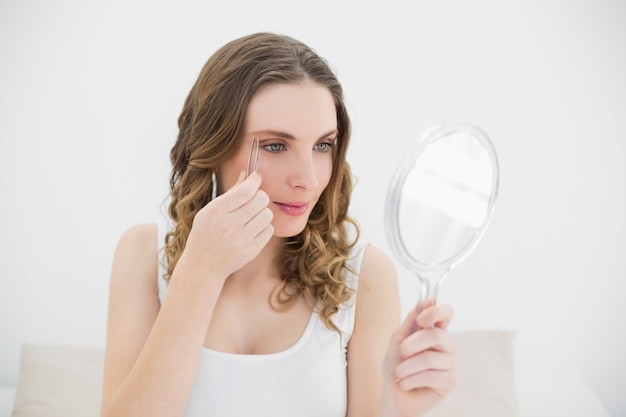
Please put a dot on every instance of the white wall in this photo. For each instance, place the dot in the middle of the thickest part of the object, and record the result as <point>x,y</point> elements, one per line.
<point>90,93</point>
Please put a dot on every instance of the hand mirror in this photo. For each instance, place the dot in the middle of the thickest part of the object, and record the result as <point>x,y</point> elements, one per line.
<point>440,201</point>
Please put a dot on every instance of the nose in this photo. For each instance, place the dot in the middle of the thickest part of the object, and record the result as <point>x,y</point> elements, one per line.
<point>303,173</point>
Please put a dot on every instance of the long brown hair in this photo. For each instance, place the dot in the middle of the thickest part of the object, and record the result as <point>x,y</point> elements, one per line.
<point>211,126</point>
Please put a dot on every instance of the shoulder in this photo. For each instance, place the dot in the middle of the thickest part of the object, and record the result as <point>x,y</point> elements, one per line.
<point>136,252</point>
<point>378,272</point>
<point>138,241</point>
<point>139,236</point>
<point>378,297</point>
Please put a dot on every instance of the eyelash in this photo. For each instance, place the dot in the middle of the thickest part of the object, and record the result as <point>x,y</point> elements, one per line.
<point>328,146</point>
<point>268,147</point>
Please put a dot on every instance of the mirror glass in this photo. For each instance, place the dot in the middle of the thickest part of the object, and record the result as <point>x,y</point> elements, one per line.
<point>440,201</point>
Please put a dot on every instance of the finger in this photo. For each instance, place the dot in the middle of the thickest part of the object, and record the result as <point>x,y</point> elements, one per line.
<point>257,243</point>
<point>240,178</point>
<point>407,327</point>
<point>441,382</point>
<point>429,360</point>
<point>241,193</point>
<point>410,324</point>
<point>259,222</point>
<point>264,236</point>
<point>439,315</point>
<point>433,338</point>
<point>252,208</point>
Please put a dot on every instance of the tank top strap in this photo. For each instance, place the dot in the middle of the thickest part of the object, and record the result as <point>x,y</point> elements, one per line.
<point>162,229</point>
<point>344,319</point>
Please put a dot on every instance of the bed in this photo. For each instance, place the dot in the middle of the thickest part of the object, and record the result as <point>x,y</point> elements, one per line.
<point>495,379</point>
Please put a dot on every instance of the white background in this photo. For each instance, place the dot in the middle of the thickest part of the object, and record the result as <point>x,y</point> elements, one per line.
<point>90,93</point>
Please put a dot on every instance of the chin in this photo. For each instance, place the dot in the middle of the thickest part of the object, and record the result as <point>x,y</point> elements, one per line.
<point>289,230</point>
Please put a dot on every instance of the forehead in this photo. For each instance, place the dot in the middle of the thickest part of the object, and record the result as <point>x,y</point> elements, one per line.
<point>303,109</point>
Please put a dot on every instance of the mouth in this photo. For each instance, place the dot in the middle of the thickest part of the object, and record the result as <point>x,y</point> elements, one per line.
<point>293,208</point>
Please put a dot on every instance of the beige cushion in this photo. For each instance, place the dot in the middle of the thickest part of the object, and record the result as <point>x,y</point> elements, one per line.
<point>59,381</point>
<point>67,381</point>
<point>486,385</point>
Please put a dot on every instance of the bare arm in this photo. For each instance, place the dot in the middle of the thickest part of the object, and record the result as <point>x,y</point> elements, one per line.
<point>394,371</point>
<point>151,354</point>
<point>153,351</point>
<point>377,316</point>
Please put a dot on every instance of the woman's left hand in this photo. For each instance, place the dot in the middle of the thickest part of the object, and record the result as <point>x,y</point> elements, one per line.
<point>420,367</point>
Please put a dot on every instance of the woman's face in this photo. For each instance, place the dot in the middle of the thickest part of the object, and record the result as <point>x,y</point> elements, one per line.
<point>296,125</point>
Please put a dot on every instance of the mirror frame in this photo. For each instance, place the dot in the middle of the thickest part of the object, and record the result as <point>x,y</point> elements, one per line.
<point>394,196</point>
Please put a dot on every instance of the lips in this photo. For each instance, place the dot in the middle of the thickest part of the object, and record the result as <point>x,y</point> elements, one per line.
<point>293,208</point>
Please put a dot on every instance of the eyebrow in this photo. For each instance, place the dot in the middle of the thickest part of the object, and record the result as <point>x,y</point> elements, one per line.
<point>285,135</point>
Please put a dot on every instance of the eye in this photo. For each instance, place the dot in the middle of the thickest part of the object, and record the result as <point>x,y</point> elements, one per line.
<point>274,147</point>
<point>324,146</point>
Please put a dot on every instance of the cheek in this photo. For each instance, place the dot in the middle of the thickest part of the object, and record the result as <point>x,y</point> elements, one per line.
<point>229,172</point>
<point>325,172</point>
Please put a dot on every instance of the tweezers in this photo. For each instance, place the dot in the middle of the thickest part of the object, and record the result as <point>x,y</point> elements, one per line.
<point>254,149</point>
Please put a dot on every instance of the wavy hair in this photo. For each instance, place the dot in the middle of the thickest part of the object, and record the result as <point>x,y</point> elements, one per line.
<point>211,126</point>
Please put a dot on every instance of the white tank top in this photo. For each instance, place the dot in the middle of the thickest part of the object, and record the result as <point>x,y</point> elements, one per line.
<point>308,379</point>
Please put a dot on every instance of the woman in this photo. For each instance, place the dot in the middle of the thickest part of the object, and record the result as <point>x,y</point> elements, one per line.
<point>264,301</point>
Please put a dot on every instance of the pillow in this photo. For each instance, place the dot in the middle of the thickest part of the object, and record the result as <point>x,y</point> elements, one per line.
<point>67,381</point>
<point>486,386</point>
<point>59,381</point>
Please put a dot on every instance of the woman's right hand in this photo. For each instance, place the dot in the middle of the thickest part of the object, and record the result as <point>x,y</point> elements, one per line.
<point>230,230</point>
